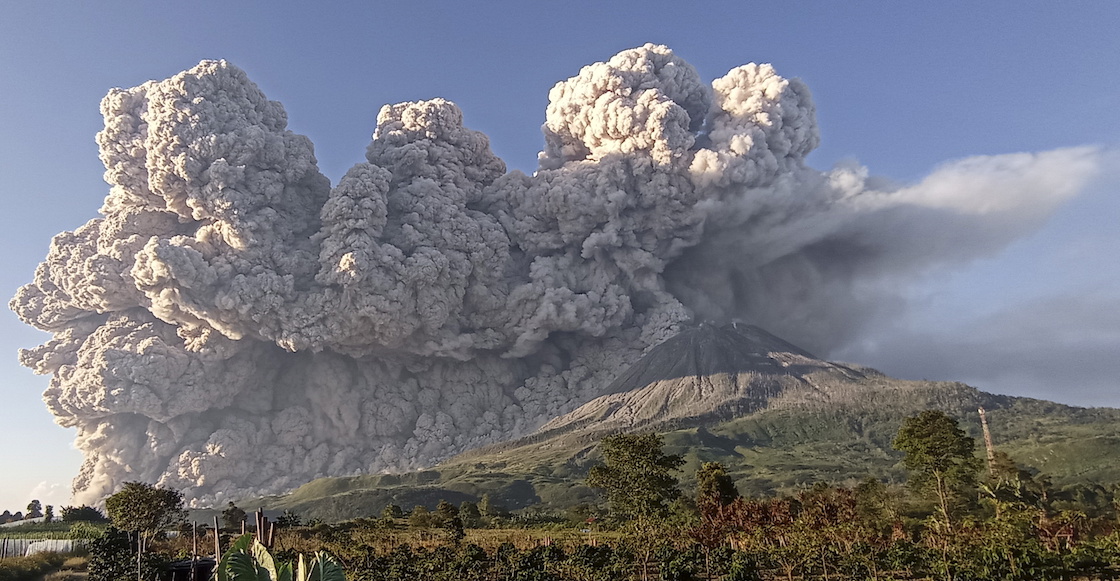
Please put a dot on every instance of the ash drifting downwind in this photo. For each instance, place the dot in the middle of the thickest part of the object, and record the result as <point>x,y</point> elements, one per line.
<point>233,324</point>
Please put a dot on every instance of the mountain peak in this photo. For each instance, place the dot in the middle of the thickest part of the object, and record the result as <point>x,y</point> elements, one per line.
<point>706,372</point>
<point>711,349</point>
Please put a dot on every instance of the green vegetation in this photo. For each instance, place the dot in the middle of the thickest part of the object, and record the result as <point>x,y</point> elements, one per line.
<point>34,509</point>
<point>233,517</point>
<point>113,557</point>
<point>144,511</point>
<point>82,513</point>
<point>775,451</point>
<point>668,507</point>
<point>30,568</point>
<point>941,460</point>
<point>37,531</point>
<point>636,476</point>
<point>249,560</point>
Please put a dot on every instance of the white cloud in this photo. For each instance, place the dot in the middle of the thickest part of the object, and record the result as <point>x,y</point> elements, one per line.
<point>55,494</point>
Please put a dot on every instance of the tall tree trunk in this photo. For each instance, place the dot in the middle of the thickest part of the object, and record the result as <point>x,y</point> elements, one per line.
<point>943,499</point>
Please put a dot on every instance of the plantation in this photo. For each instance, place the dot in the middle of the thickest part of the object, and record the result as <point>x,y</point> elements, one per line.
<point>951,516</point>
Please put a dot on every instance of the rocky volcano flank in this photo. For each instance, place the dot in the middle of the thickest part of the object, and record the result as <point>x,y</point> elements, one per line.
<point>703,375</point>
<point>779,418</point>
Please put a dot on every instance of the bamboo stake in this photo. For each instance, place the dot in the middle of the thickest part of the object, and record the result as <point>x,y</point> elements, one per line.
<point>194,548</point>
<point>988,443</point>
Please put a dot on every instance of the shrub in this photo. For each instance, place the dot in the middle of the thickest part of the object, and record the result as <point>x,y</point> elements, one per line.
<point>29,568</point>
<point>112,557</point>
<point>82,513</point>
<point>85,531</point>
<point>742,568</point>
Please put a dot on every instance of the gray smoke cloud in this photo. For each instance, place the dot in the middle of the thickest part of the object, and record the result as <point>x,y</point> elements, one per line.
<point>232,324</point>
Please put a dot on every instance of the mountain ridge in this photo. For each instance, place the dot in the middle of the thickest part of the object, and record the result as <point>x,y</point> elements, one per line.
<point>778,417</point>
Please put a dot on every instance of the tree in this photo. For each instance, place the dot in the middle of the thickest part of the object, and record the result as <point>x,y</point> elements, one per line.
<point>875,504</point>
<point>636,476</point>
<point>940,457</point>
<point>288,520</point>
<point>489,508</point>
<point>110,556</point>
<point>48,513</point>
<point>233,517</point>
<point>455,531</point>
<point>392,511</point>
<point>82,513</point>
<point>144,510</point>
<point>715,491</point>
<point>447,516</point>
<point>445,511</point>
<point>34,509</point>
<point>714,486</point>
<point>468,511</point>
<point>420,517</point>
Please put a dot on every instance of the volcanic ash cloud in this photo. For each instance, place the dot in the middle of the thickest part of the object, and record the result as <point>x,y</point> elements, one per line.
<point>232,324</point>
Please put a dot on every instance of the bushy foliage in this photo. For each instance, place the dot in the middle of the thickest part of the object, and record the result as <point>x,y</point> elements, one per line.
<point>112,557</point>
<point>145,509</point>
<point>507,562</point>
<point>288,520</point>
<point>421,518</point>
<point>85,531</point>
<point>941,459</point>
<point>82,513</point>
<point>1020,529</point>
<point>392,511</point>
<point>636,476</point>
<point>34,509</point>
<point>29,568</point>
<point>233,517</point>
<point>472,517</point>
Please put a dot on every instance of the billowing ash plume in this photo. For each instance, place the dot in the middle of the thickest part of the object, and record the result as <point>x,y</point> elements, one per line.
<point>234,324</point>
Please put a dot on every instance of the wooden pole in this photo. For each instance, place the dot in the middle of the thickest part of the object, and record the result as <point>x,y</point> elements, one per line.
<point>217,540</point>
<point>988,443</point>
<point>194,548</point>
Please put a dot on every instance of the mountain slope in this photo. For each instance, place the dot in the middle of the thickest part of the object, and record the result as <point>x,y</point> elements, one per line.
<point>775,415</point>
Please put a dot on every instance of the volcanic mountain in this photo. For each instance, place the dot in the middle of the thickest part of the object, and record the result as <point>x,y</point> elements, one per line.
<point>702,375</point>
<point>775,415</point>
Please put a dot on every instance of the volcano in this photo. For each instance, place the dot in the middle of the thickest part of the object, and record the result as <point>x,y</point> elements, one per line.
<point>703,375</point>
<point>776,416</point>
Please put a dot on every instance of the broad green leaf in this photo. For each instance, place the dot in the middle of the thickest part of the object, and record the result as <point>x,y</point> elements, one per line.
<point>326,568</point>
<point>223,571</point>
<point>240,567</point>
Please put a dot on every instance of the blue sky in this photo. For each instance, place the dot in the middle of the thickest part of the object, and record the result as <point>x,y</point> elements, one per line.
<point>900,87</point>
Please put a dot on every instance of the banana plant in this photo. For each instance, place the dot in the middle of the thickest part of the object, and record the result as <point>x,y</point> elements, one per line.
<point>249,560</point>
